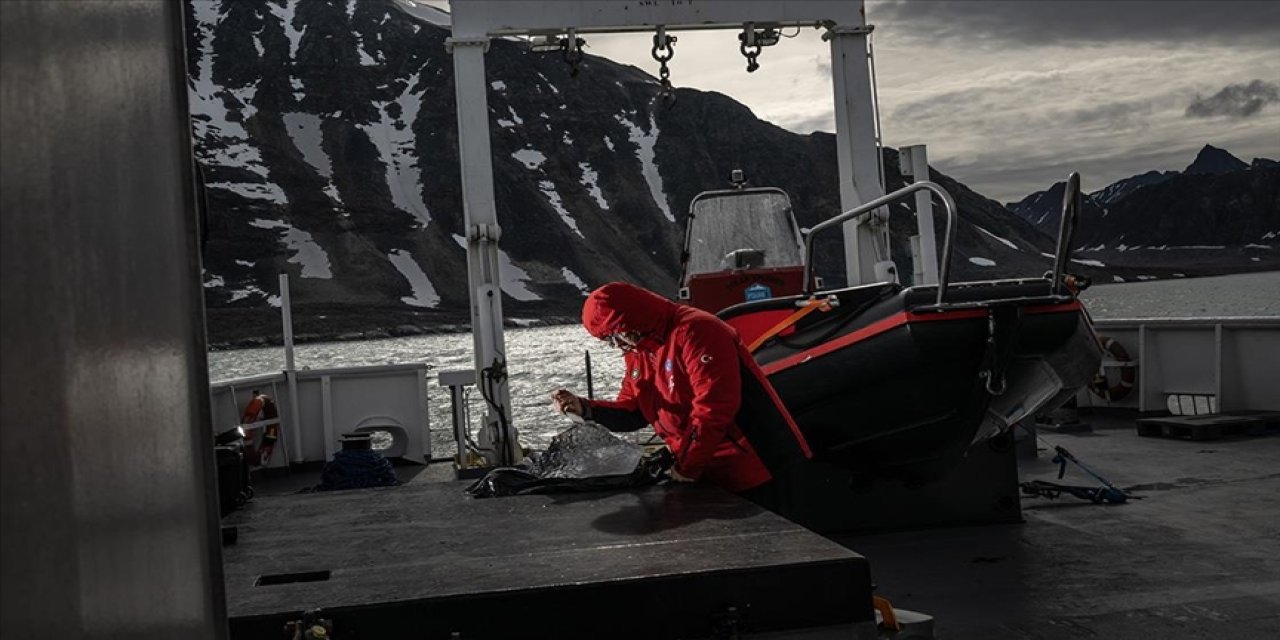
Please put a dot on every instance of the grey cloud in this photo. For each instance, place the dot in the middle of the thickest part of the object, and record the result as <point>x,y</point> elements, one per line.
<point>824,64</point>
<point>805,124</point>
<point>1117,116</point>
<point>1235,101</point>
<point>1081,21</point>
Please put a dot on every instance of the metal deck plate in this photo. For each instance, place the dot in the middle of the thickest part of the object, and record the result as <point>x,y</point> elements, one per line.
<point>426,560</point>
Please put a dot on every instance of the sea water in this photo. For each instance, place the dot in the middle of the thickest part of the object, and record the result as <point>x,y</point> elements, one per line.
<point>543,359</point>
<point>539,361</point>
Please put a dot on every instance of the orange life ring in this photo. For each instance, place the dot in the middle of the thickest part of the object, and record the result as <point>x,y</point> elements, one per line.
<point>1103,385</point>
<point>253,409</point>
<point>260,408</point>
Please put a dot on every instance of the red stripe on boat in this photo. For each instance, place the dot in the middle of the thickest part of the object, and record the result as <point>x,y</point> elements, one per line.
<point>896,320</point>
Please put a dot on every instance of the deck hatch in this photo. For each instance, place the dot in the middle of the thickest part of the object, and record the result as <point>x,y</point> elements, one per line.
<point>290,578</point>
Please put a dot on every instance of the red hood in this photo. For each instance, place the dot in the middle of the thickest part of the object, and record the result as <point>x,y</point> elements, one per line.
<point>619,306</point>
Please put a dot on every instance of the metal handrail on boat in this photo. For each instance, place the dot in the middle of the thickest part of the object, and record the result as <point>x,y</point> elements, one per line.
<point>1072,201</point>
<point>944,267</point>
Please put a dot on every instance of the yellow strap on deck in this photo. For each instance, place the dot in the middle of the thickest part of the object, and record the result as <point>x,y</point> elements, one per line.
<point>812,305</point>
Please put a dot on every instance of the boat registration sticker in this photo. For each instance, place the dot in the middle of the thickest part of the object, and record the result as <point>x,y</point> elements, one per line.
<point>757,291</point>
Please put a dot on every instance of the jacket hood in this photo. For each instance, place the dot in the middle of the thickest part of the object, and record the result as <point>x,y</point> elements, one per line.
<point>619,306</point>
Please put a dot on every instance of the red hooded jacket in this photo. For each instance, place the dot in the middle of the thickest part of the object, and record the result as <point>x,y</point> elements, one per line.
<point>692,378</point>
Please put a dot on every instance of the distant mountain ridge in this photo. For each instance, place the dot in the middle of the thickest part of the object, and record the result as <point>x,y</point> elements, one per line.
<point>1219,214</point>
<point>325,134</point>
<point>1217,200</point>
<point>1118,190</point>
<point>1214,161</point>
<point>326,137</point>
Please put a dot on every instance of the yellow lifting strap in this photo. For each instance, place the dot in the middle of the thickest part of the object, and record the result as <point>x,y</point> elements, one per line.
<point>812,305</point>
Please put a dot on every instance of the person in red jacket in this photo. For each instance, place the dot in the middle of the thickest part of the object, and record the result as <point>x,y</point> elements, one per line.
<point>690,376</point>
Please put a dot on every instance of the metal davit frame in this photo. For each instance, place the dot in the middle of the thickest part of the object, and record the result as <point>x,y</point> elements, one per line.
<point>475,22</point>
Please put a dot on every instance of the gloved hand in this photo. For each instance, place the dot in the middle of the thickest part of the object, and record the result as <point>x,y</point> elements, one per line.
<point>564,401</point>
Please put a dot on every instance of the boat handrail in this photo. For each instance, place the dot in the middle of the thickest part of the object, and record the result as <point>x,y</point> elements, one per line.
<point>1072,201</point>
<point>944,266</point>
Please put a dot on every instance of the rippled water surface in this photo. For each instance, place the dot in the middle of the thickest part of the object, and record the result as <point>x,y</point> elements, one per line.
<point>540,361</point>
<point>547,358</point>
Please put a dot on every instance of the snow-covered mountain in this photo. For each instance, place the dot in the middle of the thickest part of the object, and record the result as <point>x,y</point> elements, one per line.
<point>325,134</point>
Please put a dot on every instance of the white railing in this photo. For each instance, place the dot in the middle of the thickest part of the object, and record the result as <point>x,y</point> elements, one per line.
<point>331,402</point>
<point>1232,363</point>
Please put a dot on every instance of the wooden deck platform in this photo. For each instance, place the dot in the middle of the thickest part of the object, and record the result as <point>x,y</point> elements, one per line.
<point>424,560</point>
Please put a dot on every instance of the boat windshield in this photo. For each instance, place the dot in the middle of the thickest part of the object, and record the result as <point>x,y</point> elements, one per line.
<point>749,229</point>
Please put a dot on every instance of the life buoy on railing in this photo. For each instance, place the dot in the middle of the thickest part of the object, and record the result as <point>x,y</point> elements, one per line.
<point>262,408</point>
<point>1113,388</point>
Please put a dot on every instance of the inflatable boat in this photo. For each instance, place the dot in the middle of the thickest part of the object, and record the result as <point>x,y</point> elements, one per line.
<point>885,379</point>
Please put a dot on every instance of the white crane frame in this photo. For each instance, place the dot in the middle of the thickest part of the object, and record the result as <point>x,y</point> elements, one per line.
<point>475,22</point>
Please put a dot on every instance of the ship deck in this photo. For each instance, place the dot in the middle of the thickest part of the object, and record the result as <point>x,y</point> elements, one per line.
<point>1195,558</point>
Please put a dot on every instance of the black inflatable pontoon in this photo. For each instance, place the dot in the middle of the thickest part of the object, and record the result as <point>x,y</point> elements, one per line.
<point>899,382</point>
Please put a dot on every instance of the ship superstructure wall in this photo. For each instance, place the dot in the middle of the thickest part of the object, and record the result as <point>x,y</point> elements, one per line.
<point>107,504</point>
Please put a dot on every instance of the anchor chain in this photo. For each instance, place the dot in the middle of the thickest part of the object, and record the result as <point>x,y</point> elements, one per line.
<point>663,52</point>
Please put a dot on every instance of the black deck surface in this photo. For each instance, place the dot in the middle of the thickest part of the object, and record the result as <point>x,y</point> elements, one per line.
<point>1197,557</point>
<point>425,558</point>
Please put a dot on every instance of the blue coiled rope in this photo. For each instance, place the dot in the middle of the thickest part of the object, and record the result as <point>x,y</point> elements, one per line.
<point>356,469</point>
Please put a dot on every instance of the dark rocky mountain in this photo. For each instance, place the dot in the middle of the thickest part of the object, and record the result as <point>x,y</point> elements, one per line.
<point>1262,163</point>
<point>325,133</point>
<point>1220,215</point>
<point>1121,188</point>
<point>1214,161</point>
<point>1044,209</point>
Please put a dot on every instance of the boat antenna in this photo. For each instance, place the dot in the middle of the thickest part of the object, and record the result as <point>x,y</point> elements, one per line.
<point>663,52</point>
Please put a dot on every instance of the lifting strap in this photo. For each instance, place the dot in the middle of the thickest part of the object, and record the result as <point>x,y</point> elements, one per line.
<point>813,304</point>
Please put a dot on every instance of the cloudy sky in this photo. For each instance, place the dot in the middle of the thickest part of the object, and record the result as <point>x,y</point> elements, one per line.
<point>1010,96</point>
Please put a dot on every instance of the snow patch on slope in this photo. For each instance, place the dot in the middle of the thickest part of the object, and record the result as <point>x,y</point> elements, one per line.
<point>549,190</point>
<point>223,140</point>
<point>591,181</point>
<point>513,278</point>
<point>262,191</point>
<point>1006,242</point>
<point>304,129</point>
<point>314,261</point>
<point>285,15</point>
<point>530,158</point>
<point>397,147</point>
<point>424,294</point>
<point>644,149</point>
<point>573,279</point>
<point>253,290</point>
